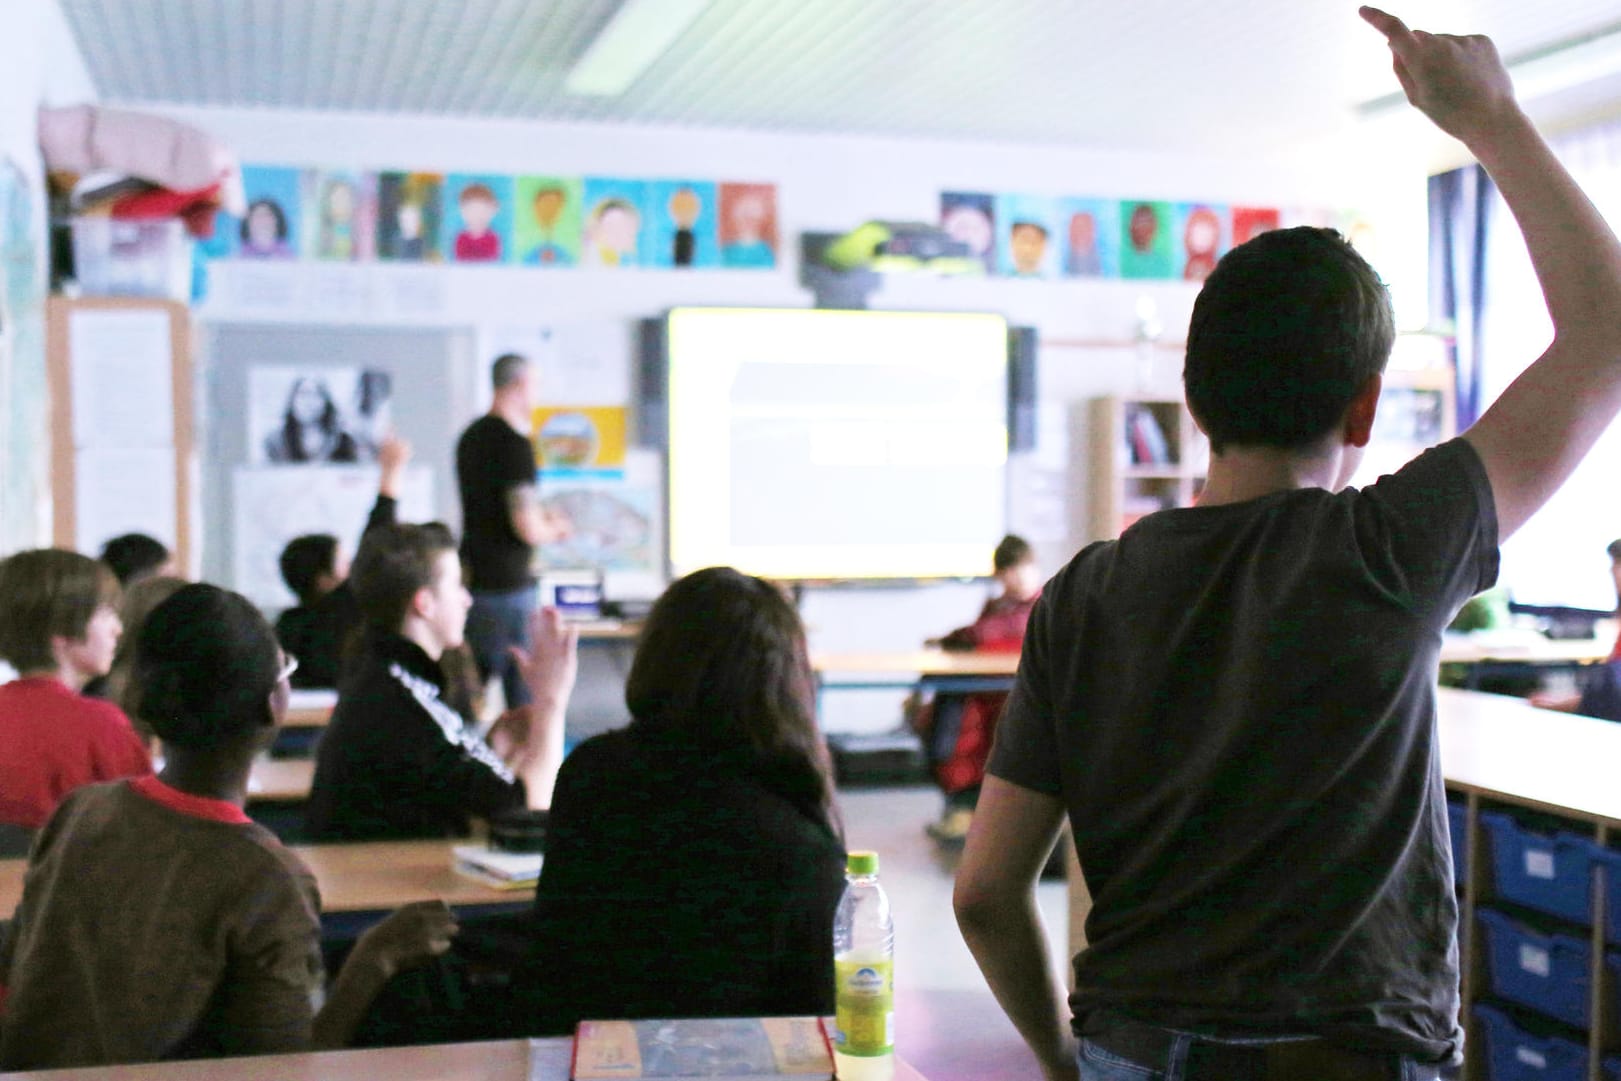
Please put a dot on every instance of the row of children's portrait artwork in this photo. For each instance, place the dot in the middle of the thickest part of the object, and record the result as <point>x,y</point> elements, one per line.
<point>1038,236</point>
<point>543,221</point>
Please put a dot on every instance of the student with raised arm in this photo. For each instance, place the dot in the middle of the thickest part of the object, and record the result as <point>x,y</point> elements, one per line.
<point>1234,703</point>
<point>397,760</point>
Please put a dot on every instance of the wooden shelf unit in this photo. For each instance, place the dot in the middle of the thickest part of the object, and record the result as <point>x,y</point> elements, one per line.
<point>1126,483</point>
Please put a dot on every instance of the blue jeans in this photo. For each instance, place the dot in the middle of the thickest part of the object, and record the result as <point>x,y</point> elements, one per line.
<point>1098,1064</point>
<point>498,622</point>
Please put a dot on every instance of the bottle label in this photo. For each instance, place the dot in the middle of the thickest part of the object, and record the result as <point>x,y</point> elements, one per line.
<point>864,995</point>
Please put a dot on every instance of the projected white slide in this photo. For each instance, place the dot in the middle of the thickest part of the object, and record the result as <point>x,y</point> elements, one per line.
<point>811,445</point>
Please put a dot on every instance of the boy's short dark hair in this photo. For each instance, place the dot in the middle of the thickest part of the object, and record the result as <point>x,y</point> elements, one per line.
<point>506,369</point>
<point>393,563</point>
<point>205,667</point>
<point>1287,329</point>
<point>134,556</point>
<point>45,593</point>
<point>1615,551</point>
<point>1010,552</point>
<point>306,559</point>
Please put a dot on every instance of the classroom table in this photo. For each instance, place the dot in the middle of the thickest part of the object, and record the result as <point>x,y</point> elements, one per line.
<point>497,1060</point>
<point>1516,652</point>
<point>374,876</point>
<point>929,669</point>
<point>281,780</point>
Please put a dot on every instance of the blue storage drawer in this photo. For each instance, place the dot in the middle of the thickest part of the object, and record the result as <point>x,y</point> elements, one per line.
<point>1612,1067</point>
<point>1512,1054</point>
<point>1547,973</point>
<point>1609,861</point>
<point>1458,827</point>
<point>1551,874</point>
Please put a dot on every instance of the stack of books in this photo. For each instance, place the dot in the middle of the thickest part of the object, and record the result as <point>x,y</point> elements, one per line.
<point>502,870</point>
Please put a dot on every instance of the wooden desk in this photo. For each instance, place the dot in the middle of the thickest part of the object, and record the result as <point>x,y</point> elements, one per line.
<point>923,662</point>
<point>368,877</point>
<point>1527,649</point>
<point>281,780</point>
<point>499,1060</point>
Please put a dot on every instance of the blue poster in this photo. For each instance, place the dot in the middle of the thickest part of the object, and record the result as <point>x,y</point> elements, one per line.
<point>1027,236</point>
<point>271,227</point>
<point>1091,229</point>
<point>479,211</point>
<point>683,231</point>
<point>615,228</point>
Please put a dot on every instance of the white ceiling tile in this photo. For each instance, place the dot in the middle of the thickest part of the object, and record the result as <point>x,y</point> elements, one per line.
<point>1161,74</point>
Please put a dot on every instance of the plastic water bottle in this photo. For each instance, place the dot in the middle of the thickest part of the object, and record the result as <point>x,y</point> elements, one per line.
<point>864,975</point>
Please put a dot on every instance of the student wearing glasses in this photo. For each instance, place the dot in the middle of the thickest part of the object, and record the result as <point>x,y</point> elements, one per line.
<point>158,921</point>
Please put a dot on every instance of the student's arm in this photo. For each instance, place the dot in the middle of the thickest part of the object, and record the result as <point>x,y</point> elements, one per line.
<point>1013,832</point>
<point>393,454</point>
<point>409,936</point>
<point>531,521</point>
<point>530,739</point>
<point>1536,433</point>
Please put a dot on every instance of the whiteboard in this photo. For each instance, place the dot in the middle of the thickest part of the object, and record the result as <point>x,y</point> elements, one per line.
<point>836,445</point>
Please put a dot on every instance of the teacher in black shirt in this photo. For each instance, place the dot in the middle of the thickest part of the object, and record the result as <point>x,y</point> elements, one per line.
<point>502,522</point>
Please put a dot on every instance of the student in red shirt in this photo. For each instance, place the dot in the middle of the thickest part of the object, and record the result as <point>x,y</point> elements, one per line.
<point>957,729</point>
<point>59,628</point>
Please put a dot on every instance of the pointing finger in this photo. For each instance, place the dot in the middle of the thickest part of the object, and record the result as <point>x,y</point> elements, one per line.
<point>1394,30</point>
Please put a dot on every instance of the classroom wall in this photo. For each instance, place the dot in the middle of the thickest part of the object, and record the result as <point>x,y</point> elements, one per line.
<point>39,64</point>
<point>826,182</point>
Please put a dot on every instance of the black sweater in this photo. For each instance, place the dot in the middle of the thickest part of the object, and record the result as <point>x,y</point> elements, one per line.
<point>679,883</point>
<point>396,761</point>
<point>318,633</point>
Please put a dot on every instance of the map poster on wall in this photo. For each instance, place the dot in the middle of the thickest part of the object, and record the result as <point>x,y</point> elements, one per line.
<point>617,519</point>
<point>271,506</point>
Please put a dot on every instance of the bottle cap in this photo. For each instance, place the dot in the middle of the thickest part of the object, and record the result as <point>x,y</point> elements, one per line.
<point>862,863</point>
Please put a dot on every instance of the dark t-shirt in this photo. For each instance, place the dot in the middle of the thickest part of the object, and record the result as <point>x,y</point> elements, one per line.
<point>491,460</point>
<point>1237,705</point>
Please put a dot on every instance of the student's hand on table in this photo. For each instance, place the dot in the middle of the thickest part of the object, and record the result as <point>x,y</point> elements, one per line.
<point>392,455</point>
<point>1460,83</point>
<point>409,936</point>
<point>552,662</point>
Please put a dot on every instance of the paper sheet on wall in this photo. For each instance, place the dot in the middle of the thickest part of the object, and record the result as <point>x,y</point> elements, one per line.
<point>123,379</point>
<point>124,490</point>
<point>580,363</point>
<point>271,505</point>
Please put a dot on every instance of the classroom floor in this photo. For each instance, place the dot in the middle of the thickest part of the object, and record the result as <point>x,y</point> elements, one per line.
<point>947,1023</point>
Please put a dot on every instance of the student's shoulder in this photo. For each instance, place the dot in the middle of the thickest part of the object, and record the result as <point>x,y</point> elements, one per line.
<point>104,717</point>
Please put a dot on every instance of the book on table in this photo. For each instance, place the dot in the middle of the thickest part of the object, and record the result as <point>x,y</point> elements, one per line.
<point>735,1048</point>
<point>493,867</point>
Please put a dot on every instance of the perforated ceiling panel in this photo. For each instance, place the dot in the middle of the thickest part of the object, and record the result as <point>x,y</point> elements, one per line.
<point>1138,74</point>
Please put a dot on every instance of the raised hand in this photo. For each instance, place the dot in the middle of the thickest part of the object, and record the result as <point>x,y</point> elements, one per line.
<point>392,455</point>
<point>552,661</point>
<point>1458,82</point>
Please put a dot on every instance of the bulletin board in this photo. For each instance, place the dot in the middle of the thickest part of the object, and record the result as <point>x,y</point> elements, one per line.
<point>122,426</point>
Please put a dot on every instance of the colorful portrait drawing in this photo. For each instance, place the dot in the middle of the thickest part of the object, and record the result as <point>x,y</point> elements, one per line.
<point>1091,237</point>
<point>1250,222</point>
<point>1202,237</point>
<point>683,228</point>
<point>479,210</point>
<point>546,220</point>
<point>1027,236</point>
<point>615,223</point>
<point>1148,248</point>
<point>748,226</point>
<point>270,228</point>
<point>409,214</point>
<point>970,216</point>
<point>341,218</point>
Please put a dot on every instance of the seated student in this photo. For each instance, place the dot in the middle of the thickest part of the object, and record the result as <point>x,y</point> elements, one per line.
<point>58,628</point>
<point>317,631</point>
<point>957,730</point>
<point>396,760</point>
<point>693,858</point>
<point>159,922</point>
<point>1600,692</point>
<point>135,556</point>
<point>139,601</point>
